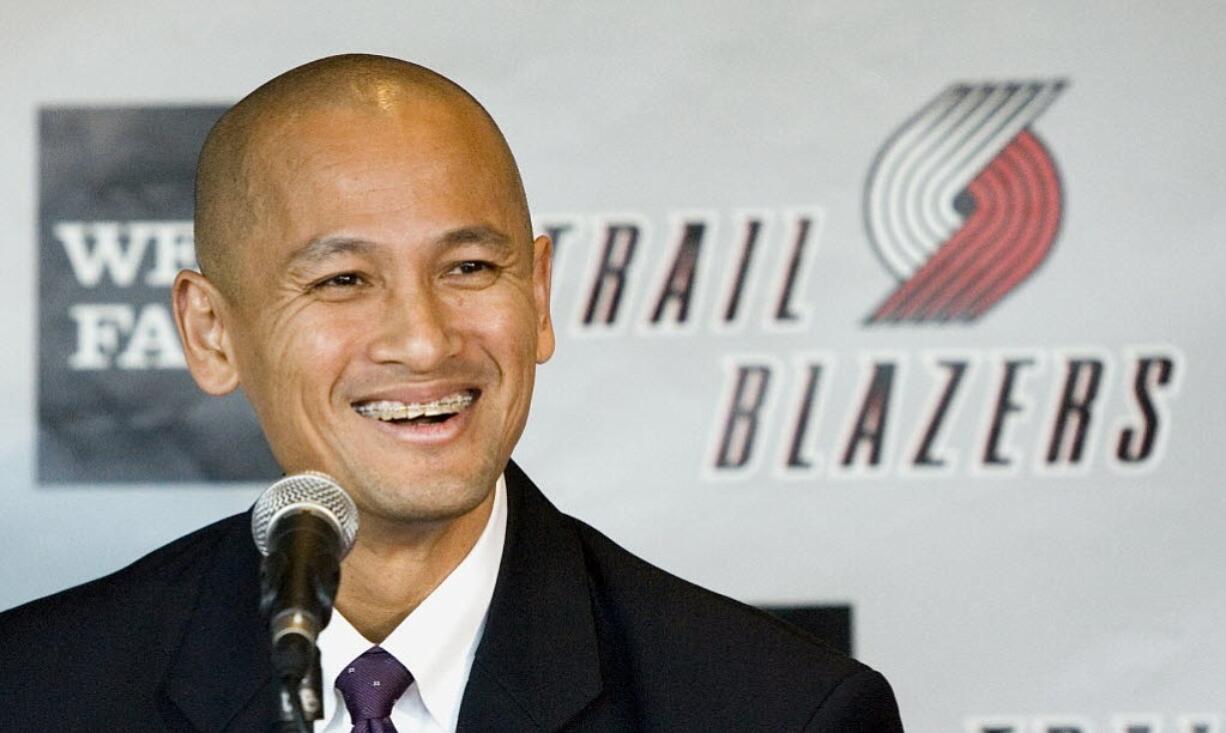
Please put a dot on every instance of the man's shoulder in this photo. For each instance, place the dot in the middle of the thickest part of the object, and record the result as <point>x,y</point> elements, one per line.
<point>118,646</point>
<point>653,602</point>
<point>682,641</point>
<point>164,579</point>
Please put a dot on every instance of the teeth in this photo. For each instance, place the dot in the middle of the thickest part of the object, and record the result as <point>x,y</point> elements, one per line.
<point>393,410</point>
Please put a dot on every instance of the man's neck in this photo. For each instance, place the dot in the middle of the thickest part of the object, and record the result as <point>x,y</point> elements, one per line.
<point>392,567</point>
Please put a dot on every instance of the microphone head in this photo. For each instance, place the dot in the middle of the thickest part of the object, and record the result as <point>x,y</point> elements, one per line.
<point>308,491</point>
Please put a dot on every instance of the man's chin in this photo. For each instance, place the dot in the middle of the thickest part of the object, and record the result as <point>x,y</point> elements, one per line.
<point>425,504</point>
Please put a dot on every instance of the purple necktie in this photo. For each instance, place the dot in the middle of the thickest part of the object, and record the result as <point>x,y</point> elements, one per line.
<point>371,684</point>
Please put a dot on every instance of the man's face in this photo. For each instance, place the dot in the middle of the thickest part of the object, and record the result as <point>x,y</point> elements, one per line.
<point>392,308</point>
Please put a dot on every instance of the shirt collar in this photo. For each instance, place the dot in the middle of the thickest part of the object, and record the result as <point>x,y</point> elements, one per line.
<point>438,640</point>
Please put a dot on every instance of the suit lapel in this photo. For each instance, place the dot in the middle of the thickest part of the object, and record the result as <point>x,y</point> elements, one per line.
<point>221,676</point>
<point>538,662</point>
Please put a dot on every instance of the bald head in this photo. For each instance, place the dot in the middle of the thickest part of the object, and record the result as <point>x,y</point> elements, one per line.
<point>232,179</point>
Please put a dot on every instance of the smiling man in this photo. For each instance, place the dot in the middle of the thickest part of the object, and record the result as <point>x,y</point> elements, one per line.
<point>370,280</point>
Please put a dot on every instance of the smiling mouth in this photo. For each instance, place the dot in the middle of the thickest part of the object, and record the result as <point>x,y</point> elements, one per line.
<point>417,413</point>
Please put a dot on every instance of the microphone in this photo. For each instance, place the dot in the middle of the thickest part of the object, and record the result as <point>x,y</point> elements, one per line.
<point>303,525</point>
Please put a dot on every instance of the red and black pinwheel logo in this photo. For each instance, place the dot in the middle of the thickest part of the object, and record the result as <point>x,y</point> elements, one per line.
<point>963,202</point>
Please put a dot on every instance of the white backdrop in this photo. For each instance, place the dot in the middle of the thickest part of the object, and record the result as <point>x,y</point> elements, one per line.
<point>1090,594</point>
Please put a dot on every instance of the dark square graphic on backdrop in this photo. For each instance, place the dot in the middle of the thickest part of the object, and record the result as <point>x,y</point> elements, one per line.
<point>115,402</point>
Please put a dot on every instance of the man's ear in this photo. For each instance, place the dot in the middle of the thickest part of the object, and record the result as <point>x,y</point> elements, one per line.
<point>542,274</point>
<point>199,315</point>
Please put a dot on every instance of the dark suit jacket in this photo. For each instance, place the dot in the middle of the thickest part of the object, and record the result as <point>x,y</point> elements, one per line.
<point>581,635</point>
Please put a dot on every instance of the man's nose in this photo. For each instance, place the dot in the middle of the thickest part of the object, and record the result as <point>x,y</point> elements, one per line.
<point>415,329</point>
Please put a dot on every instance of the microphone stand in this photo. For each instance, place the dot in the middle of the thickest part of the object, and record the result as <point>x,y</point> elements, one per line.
<point>301,704</point>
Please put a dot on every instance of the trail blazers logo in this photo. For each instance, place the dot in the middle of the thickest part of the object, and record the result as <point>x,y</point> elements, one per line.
<point>963,202</point>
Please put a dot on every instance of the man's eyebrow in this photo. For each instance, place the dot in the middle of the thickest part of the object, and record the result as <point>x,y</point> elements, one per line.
<point>479,234</point>
<point>321,248</point>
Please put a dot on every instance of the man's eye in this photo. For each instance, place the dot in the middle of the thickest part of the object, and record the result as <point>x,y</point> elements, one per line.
<point>472,267</point>
<point>343,280</point>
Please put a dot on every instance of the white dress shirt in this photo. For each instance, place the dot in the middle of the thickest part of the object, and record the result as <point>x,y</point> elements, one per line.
<point>436,642</point>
